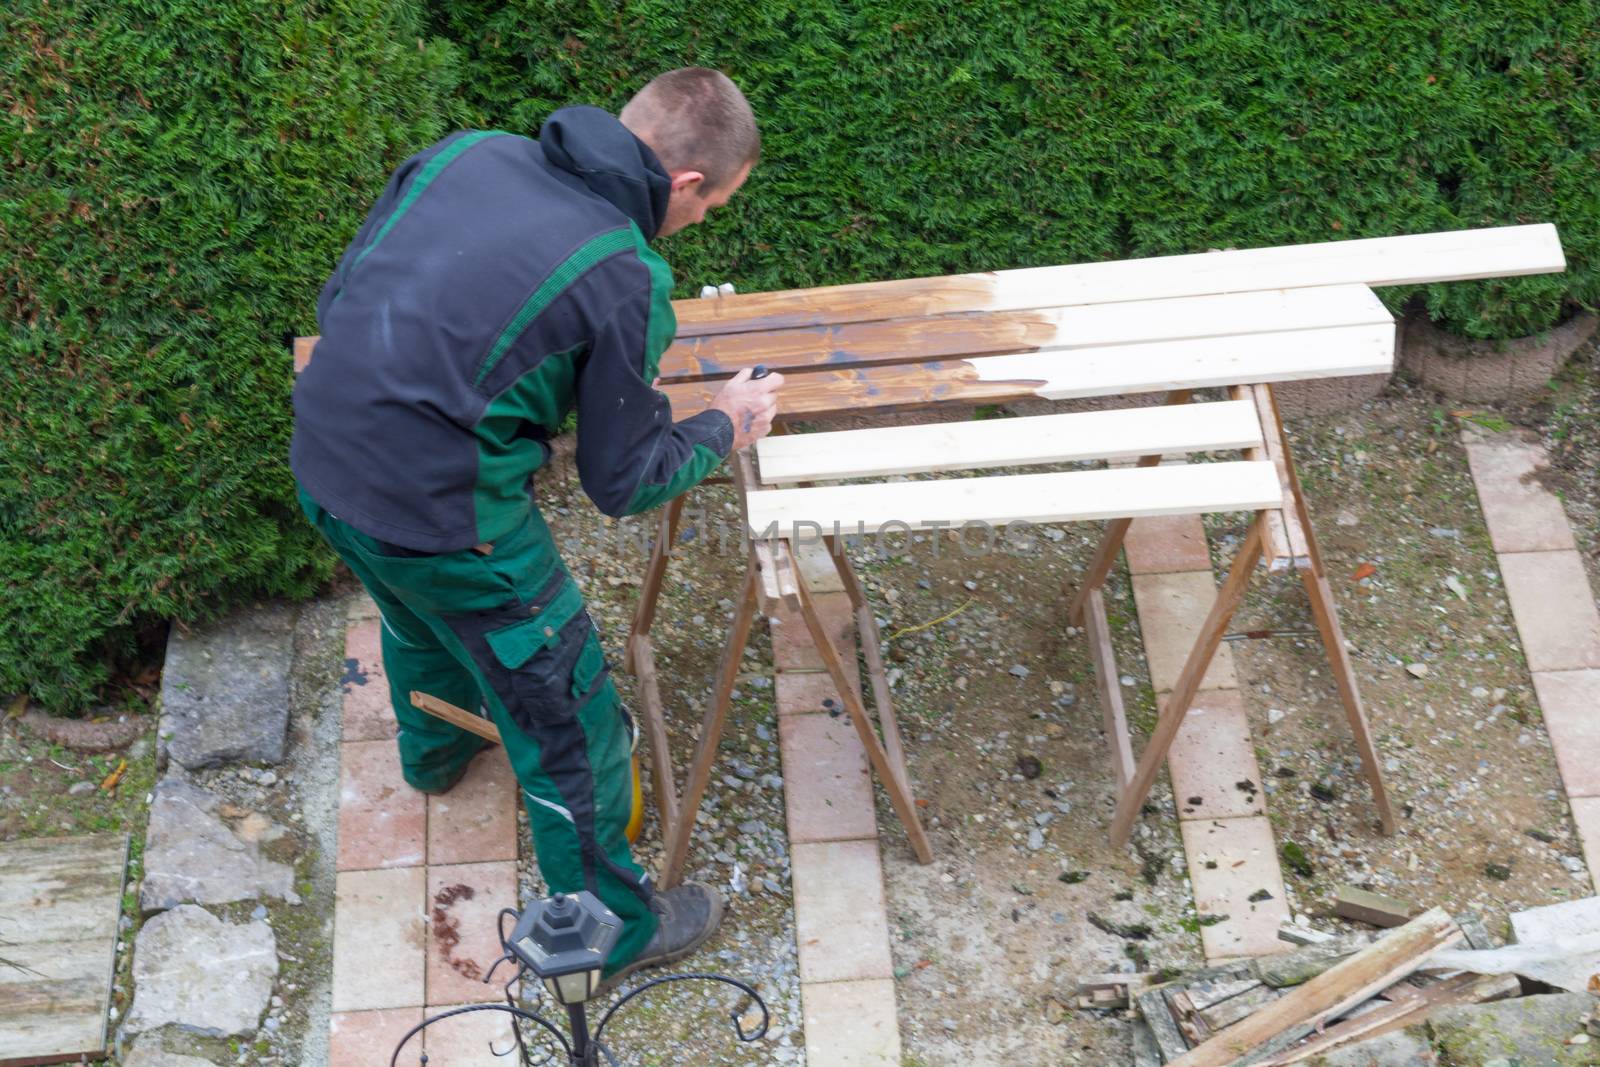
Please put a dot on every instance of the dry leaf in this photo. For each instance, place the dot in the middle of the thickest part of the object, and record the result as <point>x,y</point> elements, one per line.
<point>1366,570</point>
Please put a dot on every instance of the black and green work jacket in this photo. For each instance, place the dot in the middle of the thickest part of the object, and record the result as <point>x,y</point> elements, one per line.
<point>499,283</point>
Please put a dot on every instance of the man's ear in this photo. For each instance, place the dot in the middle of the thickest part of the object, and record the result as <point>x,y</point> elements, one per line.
<point>684,181</point>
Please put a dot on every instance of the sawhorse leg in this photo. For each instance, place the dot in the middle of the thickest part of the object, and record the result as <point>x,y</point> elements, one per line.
<point>1323,609</point>
<point>676,837</point>
<point>887,756</point>
<point>640,661</point>
<point>1188,684</point>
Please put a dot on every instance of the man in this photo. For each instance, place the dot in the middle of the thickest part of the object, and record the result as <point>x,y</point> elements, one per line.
<point>499,284</point>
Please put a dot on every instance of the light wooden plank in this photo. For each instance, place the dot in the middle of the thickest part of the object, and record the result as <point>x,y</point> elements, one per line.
<point>56,1006</point>
<point>61,888</point>
<point>1171,429</point>
<point>60,902</point>
<point>1212,361</point>
<point>1104,371</point>
<point>1033,498</point>
<point>1457,255</point>
<point>1042,330</point>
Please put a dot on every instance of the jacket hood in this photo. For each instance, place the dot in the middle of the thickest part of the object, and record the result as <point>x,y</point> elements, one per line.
<point>592,144</point>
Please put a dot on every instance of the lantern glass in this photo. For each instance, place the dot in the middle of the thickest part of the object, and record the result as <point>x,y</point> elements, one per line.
<point>572,988</point>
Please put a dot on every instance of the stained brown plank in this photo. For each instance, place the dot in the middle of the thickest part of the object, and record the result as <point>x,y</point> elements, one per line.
<point>883,389</point>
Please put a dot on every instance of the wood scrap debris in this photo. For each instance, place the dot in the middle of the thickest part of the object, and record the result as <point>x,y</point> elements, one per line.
<point>1332,991</point>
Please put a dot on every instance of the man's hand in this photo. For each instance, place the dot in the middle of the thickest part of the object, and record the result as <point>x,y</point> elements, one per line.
<point>750,404</point>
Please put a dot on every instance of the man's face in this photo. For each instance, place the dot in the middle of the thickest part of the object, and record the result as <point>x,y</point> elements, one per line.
<point>688,205</point>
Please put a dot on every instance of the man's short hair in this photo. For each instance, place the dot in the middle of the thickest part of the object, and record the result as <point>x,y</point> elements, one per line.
<point>695,118</point>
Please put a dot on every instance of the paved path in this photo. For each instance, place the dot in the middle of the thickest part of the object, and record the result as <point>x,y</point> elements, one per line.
<point>1554,608</point>
<point>419,882</point>
<point>1226,835</point>
<point>841,919</point>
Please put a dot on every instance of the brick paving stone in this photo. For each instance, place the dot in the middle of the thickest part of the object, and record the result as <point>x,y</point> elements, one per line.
<point>827,789</point>
<point>851,1024</point>
<point>841,923</point>
<point>1554,608</point>
<point>378,931</point>
<point>463,940</point>
<point>1522,515</point>
<point>368,1038</point>
<point>362,607</point>
<point>1211,755</point>
<point>1165,544</point>
<point>382,820</point>
<point>368,715</point>
<point>1570,702</point>
<point>1246,862</point>
<point>1172,608</point>
<point>802,692</point>
<point>1586,814</point>
<point>477,820</point>
<point>471,1040</point>
<point>791,638</point>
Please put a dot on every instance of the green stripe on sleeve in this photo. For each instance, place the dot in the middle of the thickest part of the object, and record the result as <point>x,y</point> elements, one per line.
<point>572,268</point>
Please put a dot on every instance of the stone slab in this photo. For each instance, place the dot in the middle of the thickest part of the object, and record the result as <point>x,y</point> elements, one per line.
<point>472,1040</point>
<point>205,976</point>
<point>1404,1048</point>
<point>802,692</point>
<point>827,786</point>
<point>841,922</point>
<point>60,902</point>
<point>368,1038</point>
<point>1586,817</point>
<point>1522,515</point>
<point>1522,1030</point>
<point>1211,755</point>
<point>464,900</point>
<point>1556,922</point>
<point>791,638</point>
<point>382,820</point>
<point>1245,862</point>
<point>851,1024</point>
<point>192,857</point>
<point>150,1052</point>
<point>1165,544</point>
<point>368,714</point>
<point>379,930</point>
<point>1570,703</point>
<point>1554,608</point>
<point>1172,608</point>
<point>225,688</point>
<point>477,820</point>
<point>816,567</point>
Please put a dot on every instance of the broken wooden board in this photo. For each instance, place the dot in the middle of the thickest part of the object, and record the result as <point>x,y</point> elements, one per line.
<point>1333,992</point>
<point>60,903</point>
<point>1386,1018</point>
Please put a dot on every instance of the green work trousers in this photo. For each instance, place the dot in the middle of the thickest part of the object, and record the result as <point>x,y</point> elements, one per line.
<point>506,631</point>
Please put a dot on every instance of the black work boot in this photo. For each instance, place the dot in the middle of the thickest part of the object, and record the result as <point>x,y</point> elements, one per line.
<point>687,915</point>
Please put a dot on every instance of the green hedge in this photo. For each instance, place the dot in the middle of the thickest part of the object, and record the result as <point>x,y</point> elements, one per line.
<point>913,137</point>
<point>179,176</point>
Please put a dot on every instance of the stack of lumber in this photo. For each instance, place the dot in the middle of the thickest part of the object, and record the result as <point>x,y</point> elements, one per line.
<point>1284,1009</point>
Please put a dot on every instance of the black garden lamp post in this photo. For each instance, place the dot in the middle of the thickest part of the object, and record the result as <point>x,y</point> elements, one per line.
<point>565,940</point>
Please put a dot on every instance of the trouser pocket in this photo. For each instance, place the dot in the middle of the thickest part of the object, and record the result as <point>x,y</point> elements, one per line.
<point>542,657</point>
